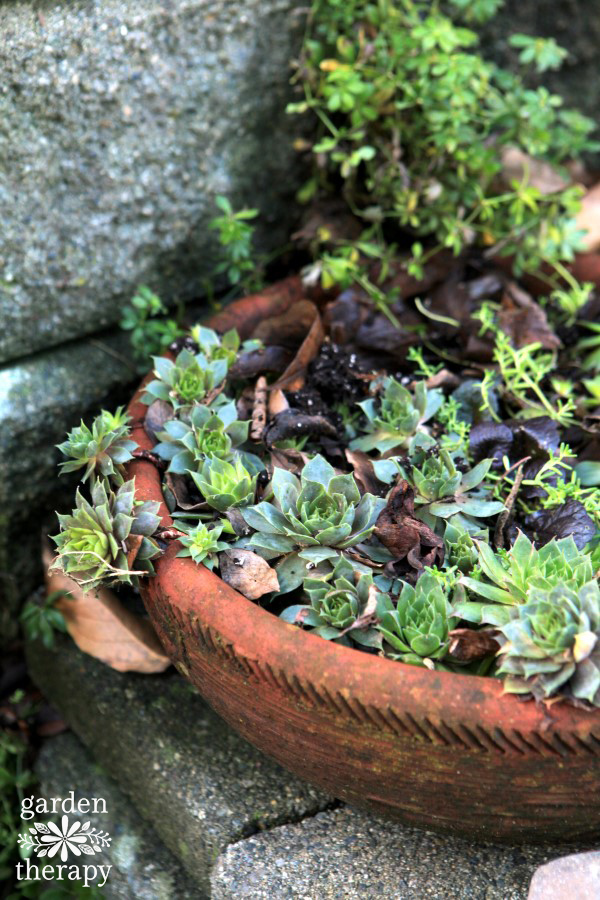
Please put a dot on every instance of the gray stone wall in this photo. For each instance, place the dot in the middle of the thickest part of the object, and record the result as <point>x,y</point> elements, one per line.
<point>120,121</point>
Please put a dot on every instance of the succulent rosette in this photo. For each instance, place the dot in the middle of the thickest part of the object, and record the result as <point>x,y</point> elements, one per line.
<point>318,510</point>
<point>102,449</point>
<point>226,346</point>
<point>186,443</point>
<point>225,484</point>
<point>417,630</point>
<point>202,544</point>
<point>550,644</point>
<point>107,540</point>
<point>506,579</point>
<point>344,605</point>
<point>396,415</point>
<point>189,379</point>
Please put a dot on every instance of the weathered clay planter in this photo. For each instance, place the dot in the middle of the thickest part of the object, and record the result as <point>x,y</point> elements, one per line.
<point>433,749</point>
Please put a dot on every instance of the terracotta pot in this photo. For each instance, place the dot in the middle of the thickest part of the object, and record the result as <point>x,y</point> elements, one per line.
<point>434,749</point>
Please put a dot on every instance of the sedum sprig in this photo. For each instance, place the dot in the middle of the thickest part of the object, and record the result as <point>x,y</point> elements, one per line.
<point>102,449</point>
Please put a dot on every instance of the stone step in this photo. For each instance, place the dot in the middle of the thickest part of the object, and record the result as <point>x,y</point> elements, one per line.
<point>200,785</point>
<point>344,854</point>
<point>141,866</point>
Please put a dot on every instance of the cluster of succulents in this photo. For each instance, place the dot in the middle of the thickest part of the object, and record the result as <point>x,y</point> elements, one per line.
<point>348,578</point>
<point>318,510</point>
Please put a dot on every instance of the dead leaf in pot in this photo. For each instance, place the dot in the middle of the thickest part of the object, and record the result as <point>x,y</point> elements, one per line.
<point>292,423</point>
<point>257,362</point>
<point>249,312</point>
<point>364,473</point>
<point>179,487</point>
<point>467,645</point>
<point>294,376</point>
<point>405,536</point>
<point>289,458</point>
<point>248,573</point>
<point>102,627</point>
<point>158,413</point>
<point>524,320</point>
<point>289,329</point>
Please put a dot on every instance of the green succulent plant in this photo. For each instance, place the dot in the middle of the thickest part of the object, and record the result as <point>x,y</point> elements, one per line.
<point>318,510</point>
<point>461,549</point>
<point>417,630</point>
<point>101,449</point>
<point>508,578</point>
<point>186,381</point>
<point>441,490</point>
<point>226,346</point>
<point>225,484</point>
<point>344,605</point>
<point>98,542</point>
<point>550,644</point>
<point>202,544</point>
<point>396,415</point>
<point>186,443</point>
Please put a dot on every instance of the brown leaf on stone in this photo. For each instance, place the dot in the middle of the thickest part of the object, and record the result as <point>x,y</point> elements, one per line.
<point>158,413</point>
<point>294,376</point>
<point>467,645</point>
<point>524,320</point>
<point>405,536</point>
<point>102,627</point>
<point>248,573</point>
<point>364,472</point>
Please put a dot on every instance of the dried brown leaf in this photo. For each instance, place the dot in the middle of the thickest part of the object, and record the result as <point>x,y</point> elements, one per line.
<point>102,627</point>
<point>248,573</point>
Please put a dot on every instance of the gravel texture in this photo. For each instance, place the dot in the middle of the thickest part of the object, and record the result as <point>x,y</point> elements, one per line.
<point>343,854</point>
<point>120,121</point>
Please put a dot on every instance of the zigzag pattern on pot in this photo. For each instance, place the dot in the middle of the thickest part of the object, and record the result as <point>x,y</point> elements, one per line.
<point>393,721</point>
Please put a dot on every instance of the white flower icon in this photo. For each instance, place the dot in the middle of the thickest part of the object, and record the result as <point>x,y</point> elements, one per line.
<point>64,839</point>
